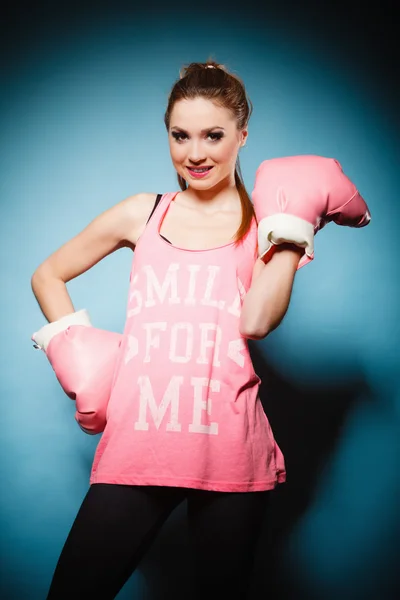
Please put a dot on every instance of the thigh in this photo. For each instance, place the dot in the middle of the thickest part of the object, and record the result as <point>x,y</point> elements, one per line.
<point>224,529</point>
<point>114,527</point>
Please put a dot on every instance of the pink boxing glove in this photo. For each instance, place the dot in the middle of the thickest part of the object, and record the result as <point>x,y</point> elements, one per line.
<point>295,196</point>
<point>83,359</point>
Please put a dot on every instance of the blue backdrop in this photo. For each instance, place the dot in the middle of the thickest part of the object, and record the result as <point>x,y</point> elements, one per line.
<point>82,128</point>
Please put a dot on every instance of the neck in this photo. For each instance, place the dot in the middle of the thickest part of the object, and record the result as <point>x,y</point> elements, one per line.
<point>221,196</point>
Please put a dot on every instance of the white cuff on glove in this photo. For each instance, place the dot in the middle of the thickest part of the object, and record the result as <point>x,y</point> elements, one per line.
<point>283,228</point>
<point>45,334</point>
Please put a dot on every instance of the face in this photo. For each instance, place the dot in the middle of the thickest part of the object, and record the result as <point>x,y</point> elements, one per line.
<point>202,134</point>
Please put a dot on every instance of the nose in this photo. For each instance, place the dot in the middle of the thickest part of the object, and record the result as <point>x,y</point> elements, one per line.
<point>196,155</point>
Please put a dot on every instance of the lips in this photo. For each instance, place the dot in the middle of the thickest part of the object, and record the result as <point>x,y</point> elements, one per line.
<point>199,174</point>
<point>201,168</point>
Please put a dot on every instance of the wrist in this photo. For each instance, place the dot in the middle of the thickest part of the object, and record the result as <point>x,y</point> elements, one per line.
<point>43,337</point>
<point>283,232</point>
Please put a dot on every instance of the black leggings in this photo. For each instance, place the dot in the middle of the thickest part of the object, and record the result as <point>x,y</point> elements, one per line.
<point>116,525</point>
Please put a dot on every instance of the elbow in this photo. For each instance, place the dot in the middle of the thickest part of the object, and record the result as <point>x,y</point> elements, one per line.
<point>43,273</point>
<point>37,278</point>
<point>259,318</point>
<point>35,281</point>
<point>41,278</point>
<point>254,333</point>
<point>251,325</point>
<point>260,331</point>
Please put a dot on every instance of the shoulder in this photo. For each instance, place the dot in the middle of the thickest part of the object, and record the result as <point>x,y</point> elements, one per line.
<point>137,211</point>
<point>140,203</point>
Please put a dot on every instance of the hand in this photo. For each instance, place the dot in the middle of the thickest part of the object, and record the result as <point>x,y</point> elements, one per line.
<point>84,360</point>
<point>296,196</point>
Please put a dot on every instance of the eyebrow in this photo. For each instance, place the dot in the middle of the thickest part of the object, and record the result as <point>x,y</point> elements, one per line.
<point>202,131</point>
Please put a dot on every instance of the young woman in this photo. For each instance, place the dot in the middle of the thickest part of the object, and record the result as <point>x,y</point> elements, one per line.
<point>184,420</point>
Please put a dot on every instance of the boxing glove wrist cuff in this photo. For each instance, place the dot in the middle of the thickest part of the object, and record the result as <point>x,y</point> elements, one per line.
<point>45,334</point>
<point>283,228</point>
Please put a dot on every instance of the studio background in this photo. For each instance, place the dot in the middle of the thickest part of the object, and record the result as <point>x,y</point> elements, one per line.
<point>84,90</point>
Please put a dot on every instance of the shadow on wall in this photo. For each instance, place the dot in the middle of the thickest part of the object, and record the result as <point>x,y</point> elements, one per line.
<point>307,425</point>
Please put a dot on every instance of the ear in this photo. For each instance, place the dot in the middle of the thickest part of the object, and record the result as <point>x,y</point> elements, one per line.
<point>244,134</point>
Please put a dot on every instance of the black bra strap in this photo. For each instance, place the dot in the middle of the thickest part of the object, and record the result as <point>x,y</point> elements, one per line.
<point>159,196</point>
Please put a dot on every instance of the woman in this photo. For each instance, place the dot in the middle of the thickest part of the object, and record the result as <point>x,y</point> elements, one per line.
<point>184,420</point>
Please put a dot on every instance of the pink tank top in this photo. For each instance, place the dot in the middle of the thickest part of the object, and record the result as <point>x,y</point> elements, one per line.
<point>184,409</point>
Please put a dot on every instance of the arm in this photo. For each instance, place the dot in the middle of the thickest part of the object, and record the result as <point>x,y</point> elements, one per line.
<point>267,300</point>
<point>84,357</point>
<point>106,233</point>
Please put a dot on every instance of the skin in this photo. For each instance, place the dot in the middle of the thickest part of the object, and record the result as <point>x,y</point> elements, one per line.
<point>217,191</point>
<point>267,300</point>
<point>216,195</point>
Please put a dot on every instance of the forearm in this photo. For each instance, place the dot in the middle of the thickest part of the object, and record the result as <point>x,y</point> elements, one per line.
<point>52,296</point>
<point>267,300</point>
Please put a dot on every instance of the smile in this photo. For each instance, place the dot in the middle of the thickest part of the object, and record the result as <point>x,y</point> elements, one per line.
<point>201,172</point>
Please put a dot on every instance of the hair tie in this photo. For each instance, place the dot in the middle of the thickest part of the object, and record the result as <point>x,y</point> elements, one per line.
<point>197,67</point>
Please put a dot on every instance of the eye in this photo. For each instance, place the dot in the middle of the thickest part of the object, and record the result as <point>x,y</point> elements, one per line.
<point>216,136</point>
<point>178,136</point>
